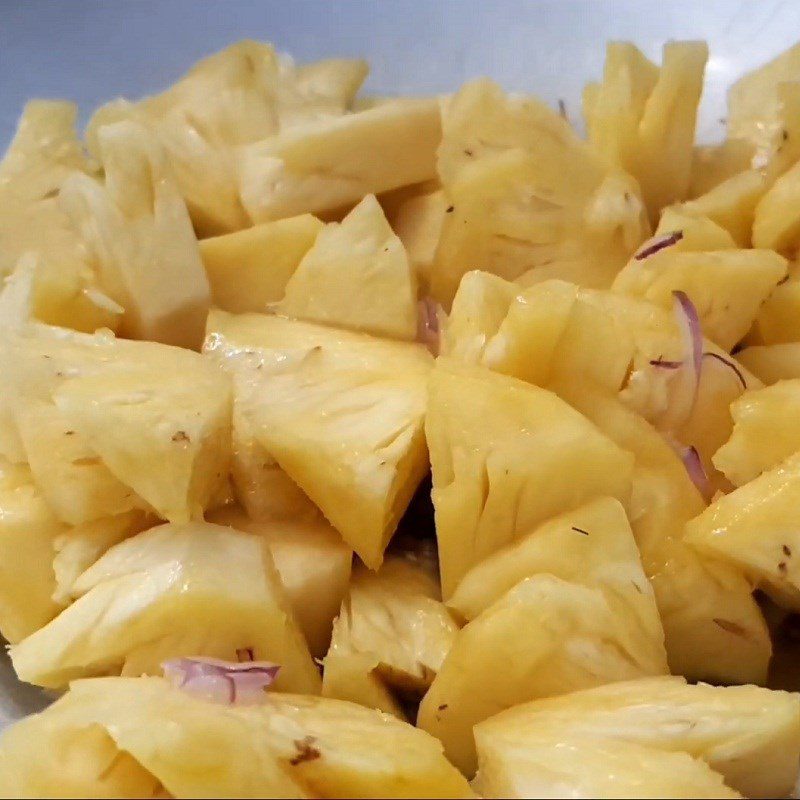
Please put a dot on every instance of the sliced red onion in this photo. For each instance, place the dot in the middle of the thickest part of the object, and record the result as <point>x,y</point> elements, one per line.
<point>428,324</point>
<point>221,681</point>
<point>722,360</point>
<point>664,364</point>
<point>694,466</point>
<point>659,243</point>
<point>689,323</point>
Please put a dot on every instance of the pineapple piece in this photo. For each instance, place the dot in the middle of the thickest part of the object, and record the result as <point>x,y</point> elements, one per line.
<point>527,194</point>
<point>727,287</point>
<point>776,223</point>
<point>751,736</point>
<point>766,431</point>
<point>355,677</point>
<point>713,627</point>
<point>249,269</point>
<point>777,320</point>
<point>332,165</point>
<point>592,546</point>
<point>243,94</point>
<point>754,528</point>
<point>607,769</point>
<point>342,413</point>
<point>313,564</point>
<point>483,430</point>
<point>698,232</point>
<point>175,590</point>
<point>546,636</point>
<point>140,238</point>
<point>28,530</point>
<point>642,118</point>
<point>393,621</point>
<point>356,275</point>
<point>418,222</point>
<point>714,164</point>
<point>774,363</point>
<point>16,294</point>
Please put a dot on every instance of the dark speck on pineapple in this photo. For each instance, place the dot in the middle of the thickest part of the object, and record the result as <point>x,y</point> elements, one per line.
<point>180,436</point>
<point>305,750</point>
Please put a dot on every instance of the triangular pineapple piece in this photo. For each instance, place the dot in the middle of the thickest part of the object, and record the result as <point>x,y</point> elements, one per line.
<point>396,618</point>
<point>778,319</point>
<point>506,456</point>
<point>776,223</point>
<point>196,589</point>
<point>418,222</point>
<point>642,118</point>
<point>755,528</point>
<point>713,164</point>
<point>342,413</point>
<point>727,287</point>
<point>357,275</point>
<point>697,232</point>
<point>545,636</point>
<point>773,363</point>
<point>751,736</point>
<point>140,238</point>
<point>313,563</point>
<point>527,194</point>
<point>249,269</point>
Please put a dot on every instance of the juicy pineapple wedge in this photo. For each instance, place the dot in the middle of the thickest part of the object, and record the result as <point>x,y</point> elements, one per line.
<point>107,737</point>
<point>505,456</point>
<point>342,413</point>
<point>140,239</point>
<point>249,269</point>
<point>527,194</point>
<point>778,319</point>
<point>698,232</point>
<point>394,623</point>
<point>357,275</point>
<point>776,223</point>
<point>642,118</point>
<point>314,567</point>
<point>196,589</point>
<point>418,222</point>
<point>749,735</point>
<point>772,363</point>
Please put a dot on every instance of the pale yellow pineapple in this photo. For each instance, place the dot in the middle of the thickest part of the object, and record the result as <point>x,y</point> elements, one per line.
<point>16,294</point>
<point>642,118</point>
<point>394,623</point>
<point>778,320</point>
<point>697,232</point>
<point>356,275</point>
<point>196,589</point>
<point>776,223</point>
<point>355,677</point>
<point>753,529</point>
<point>341,413</point>
<point>506,456</point>
<point>333,164</point>
<point>749,735</point>
<point>545,636</point>
<point>527,194</point>
<point>314,567</point>
<point>713,164</point>
<point>249,269</point>
<point>418,222</point>
<point>772,363</point>
<point>139,237</point>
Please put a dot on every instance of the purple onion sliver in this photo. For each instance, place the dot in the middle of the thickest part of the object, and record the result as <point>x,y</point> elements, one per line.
<point>428,324</point>
<point>662,364</point>
<point>722,360</point>
<point>697,474</point>
<point>221,681</point>
<point>667,240</point>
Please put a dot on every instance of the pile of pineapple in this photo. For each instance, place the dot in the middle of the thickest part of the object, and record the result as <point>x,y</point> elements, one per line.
<point>243,321</point>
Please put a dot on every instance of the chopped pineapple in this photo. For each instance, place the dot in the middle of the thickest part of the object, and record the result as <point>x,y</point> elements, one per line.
<point>773,363</point>
<point>418,222</point>
<point>527,194</point>
<point>355,677</point>
<point>545,636</point>
<point>778,319</point>
<point>713,164</point>
<point>642,118</point>
<point>319,168</point>
<point>356,275</point>
<point>342,413</point>
<point>140,238</point>
<point>314,566</point>
<point>727,287</point>
<point>751,736</point>
<point>196,589</point>
<point>249,269</point>
<point>754,528</point>
<point>394,622</point>
<point>698,232</point>
<point>776,223</point>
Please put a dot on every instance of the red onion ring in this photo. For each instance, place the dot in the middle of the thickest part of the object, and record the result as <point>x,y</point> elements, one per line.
<point>694,467</point>
<point>667,240</point>
<point>221,681</point>
<point>722,360</point>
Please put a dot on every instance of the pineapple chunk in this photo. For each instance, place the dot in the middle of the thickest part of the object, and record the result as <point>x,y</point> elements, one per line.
<point>314,567</point>
<point>754,528</point>
<point>778,319</point>
<point>505,456</point>
<point>774,363</point>
<point>642,118</point>
<point>766,431</point>
<point>140,238</point>
<point>243,94</point>
<point>727,287</point>
<point>342,413</point>
<point>320,168</point>
<point>527,194</point>
<point>249,269</point>
<point>357,275</point>
<point>28,530</point>
<point>585,767</point>
<point>418,222</point>
<point>751,736</point>
<point>714,164</point>
<point>776,223</point>
<point>698,232</point>
<point>393,621</point>
<point>546,636</point>
<point>355,677</point>
<point>196,589</point>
